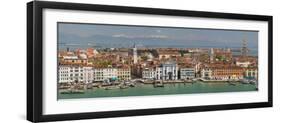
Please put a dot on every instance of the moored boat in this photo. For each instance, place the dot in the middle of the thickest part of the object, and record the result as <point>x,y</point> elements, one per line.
<point>73,92</point>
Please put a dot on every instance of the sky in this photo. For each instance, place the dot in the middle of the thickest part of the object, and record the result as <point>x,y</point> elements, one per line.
<point>116,36</point>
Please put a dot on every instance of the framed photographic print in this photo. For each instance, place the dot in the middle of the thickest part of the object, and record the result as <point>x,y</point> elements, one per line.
<point>95,61</point>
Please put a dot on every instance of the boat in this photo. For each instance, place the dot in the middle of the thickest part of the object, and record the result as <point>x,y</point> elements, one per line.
<point>123,87</point>
<point>194,79</point>
<point>110,87</point>
<point>73,92</point>
<point>132,85</point>
<point>244,81</point>
<point>158,84</point>
<point>89,86</point>
<point>211,80</point>
<point>231,82</point>
<point>253,82</point>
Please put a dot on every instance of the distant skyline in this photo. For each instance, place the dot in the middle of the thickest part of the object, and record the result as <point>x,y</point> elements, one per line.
<point>116,36</point>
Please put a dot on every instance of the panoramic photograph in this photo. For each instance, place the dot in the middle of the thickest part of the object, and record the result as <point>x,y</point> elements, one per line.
<point>106,60</point>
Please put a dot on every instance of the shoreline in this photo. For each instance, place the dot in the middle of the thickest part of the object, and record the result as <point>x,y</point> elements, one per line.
<point>149,90</point>
<point>96,84</point>
<point>82,87</point>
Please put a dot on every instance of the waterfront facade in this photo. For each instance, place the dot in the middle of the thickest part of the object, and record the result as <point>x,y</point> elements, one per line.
<point>227,73</point>
<point>124,73</point>
<point>187,73</point>
<point>206,73</point>
<point>63,74</point>
<point>88,74</point>
<point>149,73</point>
<point>251,73</point>
<point>167,71</point>
<point>71,74</point>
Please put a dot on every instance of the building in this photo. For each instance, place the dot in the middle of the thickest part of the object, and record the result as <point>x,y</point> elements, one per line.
<point>167,71</point>
<point>105,74</point>
<point>220,55</point>
<point>211,54</point>
<point>63,74</point>
<point>135,54</point>
<point>70,73</point>
<point>221,72</point>
<point>90,52</point>
<point>251,73</point>
<point>110,73</point>
<point>168,54</point>
<point>187,73</point>
<point>227,73</point>
<point>76,74</point>
<point>243,63</point>
<point>136,71</point>
<point>149,73</point>
<point>73,60</point>
<point>206,73</point>
<point>98,74</point>
<point>123,73</point>
<point>88,74</point>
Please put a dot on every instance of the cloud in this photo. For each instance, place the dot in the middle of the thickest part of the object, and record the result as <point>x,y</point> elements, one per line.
<point>120,36</point>
<point>140,36</point>
<point>158,36</point>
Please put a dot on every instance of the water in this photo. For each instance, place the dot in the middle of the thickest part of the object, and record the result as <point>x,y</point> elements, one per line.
<point>148,89</point>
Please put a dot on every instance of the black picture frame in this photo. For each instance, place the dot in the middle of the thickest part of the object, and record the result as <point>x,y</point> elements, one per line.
<point>35,69</point>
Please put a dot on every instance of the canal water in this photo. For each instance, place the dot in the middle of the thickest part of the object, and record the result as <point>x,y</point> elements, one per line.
<point>149,89</point>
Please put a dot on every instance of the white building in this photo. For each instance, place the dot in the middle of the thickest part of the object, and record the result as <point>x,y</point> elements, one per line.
<point>63,74</point>
<point>251,73</point>
<point>67,73</point>
<point>110,73</point>
<point>88,74</point>
<point>70,57</point>
<point>243,64</point>
<point>77,74</point>
<point>135,54</point>
<point>102,74</point>
<point>167,71</point>
<point>70,74</point>
<point>149,73</point>
<point>187,73</point>
<point>98,74</point>
<point>206,73</point>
